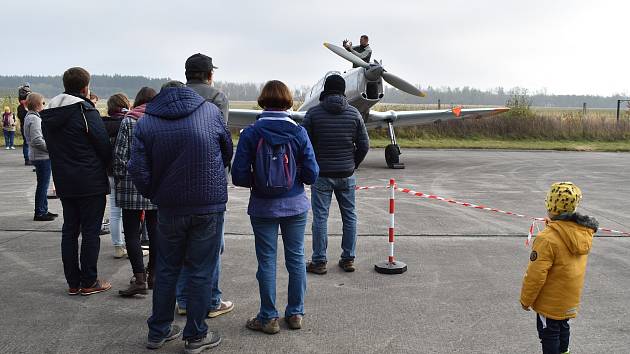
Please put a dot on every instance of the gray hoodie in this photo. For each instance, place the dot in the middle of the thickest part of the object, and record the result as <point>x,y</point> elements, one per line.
<point>33,134</point>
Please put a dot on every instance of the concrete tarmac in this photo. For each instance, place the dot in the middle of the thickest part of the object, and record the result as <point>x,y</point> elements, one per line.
<point>460,294</point>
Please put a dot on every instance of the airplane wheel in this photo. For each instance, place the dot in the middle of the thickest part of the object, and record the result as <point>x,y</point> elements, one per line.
<point>391,155</point>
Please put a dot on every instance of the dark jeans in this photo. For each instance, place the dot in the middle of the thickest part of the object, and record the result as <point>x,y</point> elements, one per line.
<point>555,336</point>
<point>8,138</point>
<point>42,169</point>
<point>196,239</point>
<point>84,216</point>
<point>214,301</point>
<point>266,241</point>
<point>131,225</point>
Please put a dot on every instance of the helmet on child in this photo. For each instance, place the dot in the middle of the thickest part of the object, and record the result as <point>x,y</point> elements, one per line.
<point>563,197</point>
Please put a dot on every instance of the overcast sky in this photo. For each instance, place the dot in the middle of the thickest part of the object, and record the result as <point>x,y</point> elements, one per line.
<point>561,46</point>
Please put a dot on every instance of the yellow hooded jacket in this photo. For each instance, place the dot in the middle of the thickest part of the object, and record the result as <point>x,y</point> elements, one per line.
<point>555,275</point>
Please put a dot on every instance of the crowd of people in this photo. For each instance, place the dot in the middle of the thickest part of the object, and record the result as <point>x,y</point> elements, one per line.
<point>165,160</point>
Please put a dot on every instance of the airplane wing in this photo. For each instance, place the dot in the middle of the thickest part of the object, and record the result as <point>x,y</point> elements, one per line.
<point>241,118</point>
<point>412,118</point>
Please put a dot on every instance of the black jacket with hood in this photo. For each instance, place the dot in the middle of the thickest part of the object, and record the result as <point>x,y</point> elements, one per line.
<point>338,135</point>
<point>78,146</point>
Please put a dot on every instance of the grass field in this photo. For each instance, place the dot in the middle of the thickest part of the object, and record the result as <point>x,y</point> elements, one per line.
<point>543,129</point>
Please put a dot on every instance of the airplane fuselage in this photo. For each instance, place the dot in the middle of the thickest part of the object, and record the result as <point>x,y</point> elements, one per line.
<point>361,92</point>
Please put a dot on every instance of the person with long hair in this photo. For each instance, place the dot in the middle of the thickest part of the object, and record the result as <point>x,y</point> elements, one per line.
<point>132,203</point>
<point>117,107</point>
<point>275,159</point>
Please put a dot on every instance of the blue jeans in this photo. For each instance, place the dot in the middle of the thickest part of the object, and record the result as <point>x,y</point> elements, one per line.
<point>81,216</point>
<point>321,195</point>
<point>115,217</point>
<point>193,240</point>
<point>8,138</point>
<point>555,336</point>
<point>266,239</point>
<point>215,293</point>
<point>42,169</point>
<point>25,149</point>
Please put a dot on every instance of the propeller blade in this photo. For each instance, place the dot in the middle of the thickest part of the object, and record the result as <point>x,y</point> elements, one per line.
<point>342,52</point>
<point>402,85</point>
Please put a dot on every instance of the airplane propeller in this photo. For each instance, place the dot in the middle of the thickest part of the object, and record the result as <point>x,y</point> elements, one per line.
<point>390,78</point>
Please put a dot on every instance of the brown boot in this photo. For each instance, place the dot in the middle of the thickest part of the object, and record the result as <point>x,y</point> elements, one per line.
<point>138,286</point>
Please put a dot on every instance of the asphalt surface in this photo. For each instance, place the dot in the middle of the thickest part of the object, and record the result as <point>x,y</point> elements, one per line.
<point>460,294</point>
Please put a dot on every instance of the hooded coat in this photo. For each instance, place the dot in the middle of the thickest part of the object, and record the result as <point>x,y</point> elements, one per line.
<point>275,127</point>
<point>179,153</point>
<point>78,146</point>
<point>553,283</point>
<point>338,135</point>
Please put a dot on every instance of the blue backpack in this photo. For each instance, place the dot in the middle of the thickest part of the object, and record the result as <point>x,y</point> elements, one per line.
<point>274,168</point>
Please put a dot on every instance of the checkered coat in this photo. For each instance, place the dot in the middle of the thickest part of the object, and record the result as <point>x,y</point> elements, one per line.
<point>127,196</point>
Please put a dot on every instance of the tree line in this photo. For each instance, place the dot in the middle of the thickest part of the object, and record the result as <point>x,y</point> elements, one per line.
<point>106,85</point>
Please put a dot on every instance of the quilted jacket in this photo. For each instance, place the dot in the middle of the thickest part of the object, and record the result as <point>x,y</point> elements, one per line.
<point>338,135</point>
<point>179,153</point>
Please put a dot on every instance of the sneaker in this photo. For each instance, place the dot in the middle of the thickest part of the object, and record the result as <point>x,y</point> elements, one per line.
<point>294,322</point>
<point>347,265</point>
<point>194,346</point>
<point>175,332</point>
<point>224,307</point>
<point>98,287</point>
<point>12,147</point>
<point>52,214</point>
<point>119,252</point>
<point>180,310</point>
<point>316,267</point>
<point>73,291</point>
<point>44,217</point>
<point>271,327</point>
<point>7,148</point>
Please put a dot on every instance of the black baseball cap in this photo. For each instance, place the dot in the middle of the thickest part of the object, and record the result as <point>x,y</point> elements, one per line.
<point>199,63</point>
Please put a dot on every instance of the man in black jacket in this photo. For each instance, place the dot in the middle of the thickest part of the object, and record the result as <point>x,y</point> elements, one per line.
<point>340,140</point>
<point>80,151</point>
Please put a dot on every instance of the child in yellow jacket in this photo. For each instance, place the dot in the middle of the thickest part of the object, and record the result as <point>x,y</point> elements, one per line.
<point>555,275</point>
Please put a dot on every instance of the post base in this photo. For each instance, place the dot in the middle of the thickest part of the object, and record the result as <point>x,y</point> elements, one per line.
<point>397,267</point>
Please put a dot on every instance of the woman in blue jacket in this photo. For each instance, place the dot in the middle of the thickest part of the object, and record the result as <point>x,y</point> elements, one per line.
<point>279,202</point>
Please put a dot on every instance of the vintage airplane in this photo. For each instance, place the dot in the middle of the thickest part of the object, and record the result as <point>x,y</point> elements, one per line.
<point>364,89</point>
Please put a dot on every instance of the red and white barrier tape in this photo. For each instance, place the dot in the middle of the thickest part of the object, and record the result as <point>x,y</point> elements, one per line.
<point>481,207</point>
<point>530,234</point>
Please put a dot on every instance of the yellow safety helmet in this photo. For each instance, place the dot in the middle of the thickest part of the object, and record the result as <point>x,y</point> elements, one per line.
<point>563,197</point>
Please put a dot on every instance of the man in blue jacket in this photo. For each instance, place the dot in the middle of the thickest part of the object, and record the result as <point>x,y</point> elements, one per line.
<point>80,152</point>
<point>179,152</point>
<point>340,140</point>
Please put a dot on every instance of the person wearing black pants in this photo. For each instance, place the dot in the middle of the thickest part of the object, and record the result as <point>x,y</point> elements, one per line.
<point>131,201</point>
<point>132,225</point>
<point>79,151</point>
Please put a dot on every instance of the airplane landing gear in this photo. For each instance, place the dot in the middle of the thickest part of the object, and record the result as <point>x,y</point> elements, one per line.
<point>392,151</point>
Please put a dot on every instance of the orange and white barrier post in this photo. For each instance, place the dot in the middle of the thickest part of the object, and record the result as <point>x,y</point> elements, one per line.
<point>391,266</point>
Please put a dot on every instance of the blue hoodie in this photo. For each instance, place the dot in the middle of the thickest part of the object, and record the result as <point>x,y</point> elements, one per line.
<point>276,127</point>
<point>179,151</point>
